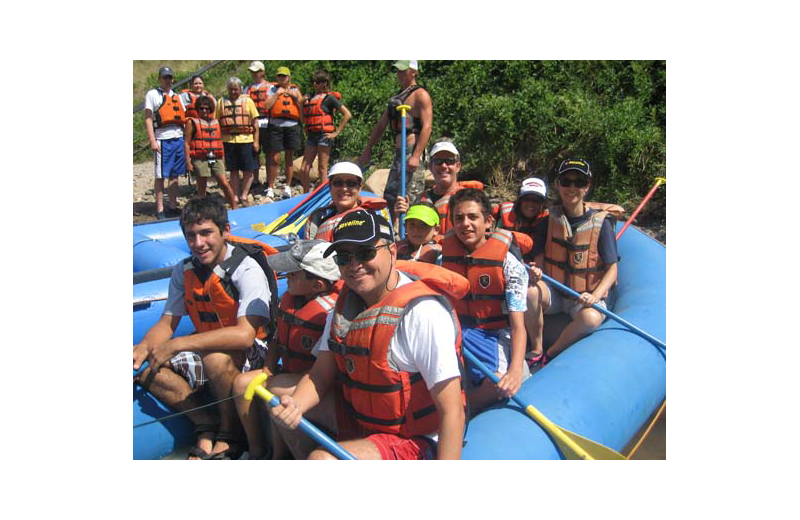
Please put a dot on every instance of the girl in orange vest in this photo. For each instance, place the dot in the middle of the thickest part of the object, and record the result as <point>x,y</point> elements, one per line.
<point>579,250</point>
<point>312,285</point>
<point>318,112</point>
<point>204,153</point>
<point>345,184</point>
<point>190,96</point>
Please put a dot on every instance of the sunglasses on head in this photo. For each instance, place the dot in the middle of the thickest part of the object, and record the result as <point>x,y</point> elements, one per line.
<point>577,182</point>
<point>338,183</point>
<point>449,161</point>
<point>361,256</point>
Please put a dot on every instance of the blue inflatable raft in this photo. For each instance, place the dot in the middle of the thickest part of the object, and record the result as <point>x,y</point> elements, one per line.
<point>605,387</point>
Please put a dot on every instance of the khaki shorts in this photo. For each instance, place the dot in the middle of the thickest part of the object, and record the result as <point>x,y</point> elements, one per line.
<point>203,169</point>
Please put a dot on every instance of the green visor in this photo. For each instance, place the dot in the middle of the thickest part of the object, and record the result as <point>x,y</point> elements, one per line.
<point>423,213</point>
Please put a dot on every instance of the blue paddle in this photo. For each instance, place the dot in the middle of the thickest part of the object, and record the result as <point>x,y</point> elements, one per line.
<point>402,109</point>
<point>633,328</point>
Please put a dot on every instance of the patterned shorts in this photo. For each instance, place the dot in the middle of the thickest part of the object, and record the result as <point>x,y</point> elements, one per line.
<point>189,365</point>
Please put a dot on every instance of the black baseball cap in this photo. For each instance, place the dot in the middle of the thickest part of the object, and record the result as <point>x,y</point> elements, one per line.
<point>165,71</point>
<point>360,227</point>
<point>579,165</point>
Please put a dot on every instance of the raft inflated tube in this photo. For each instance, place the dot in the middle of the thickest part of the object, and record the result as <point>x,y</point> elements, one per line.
<point>605,386</point>
<point>151,253</point>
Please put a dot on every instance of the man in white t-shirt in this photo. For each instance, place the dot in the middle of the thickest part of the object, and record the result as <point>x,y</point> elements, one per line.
<point>164,119</point>
<point>228,297</point>
<point>391,346</point>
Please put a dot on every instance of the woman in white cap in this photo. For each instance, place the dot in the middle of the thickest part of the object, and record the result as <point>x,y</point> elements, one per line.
<point>345,181</point>
<point>528,210</point>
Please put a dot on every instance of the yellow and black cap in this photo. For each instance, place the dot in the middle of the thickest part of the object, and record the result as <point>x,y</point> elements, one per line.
<point>578,165</point>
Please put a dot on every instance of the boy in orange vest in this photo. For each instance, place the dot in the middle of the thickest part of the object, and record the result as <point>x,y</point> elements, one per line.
<point>311,295</point>
<point>231,331</point>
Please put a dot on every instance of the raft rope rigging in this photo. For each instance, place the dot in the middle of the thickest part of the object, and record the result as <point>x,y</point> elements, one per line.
<point>172,416</point>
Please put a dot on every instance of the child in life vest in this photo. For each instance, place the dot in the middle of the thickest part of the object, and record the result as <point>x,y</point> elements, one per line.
<point>422,241</point>
<point>311,295</point>
<point>578,249</point>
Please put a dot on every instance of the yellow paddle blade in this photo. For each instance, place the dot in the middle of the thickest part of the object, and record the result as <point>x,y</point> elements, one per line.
<point>572,445</point>
<point>275,223</point>
<point>293,227</point>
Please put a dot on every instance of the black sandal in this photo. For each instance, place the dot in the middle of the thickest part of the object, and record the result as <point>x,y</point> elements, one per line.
<point>234,450</point>
<point>199,430</point>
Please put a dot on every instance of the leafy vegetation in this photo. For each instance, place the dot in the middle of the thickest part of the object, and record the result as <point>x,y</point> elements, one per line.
<point>510,119</point>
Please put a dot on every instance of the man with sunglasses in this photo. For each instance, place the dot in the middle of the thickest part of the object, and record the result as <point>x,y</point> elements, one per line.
<point>391,345</point>
<point>578,249</point>
<point>445,163</point>
<point>258,93</point>
<point>284,100</point>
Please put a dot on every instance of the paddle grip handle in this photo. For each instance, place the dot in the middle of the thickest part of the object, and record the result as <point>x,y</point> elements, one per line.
<point>141,368</point>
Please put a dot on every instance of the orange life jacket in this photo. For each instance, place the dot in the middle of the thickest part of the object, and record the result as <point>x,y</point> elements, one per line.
<point>426,253</point>
<point>170,112</point>
<point>316,119</point>
<point>210,296</point>
<point>207,137</point>
<point>258,93</point>
<point>485,305</point>
<point>574,260</point>
<point>506,218</point>
<point>324,229</point>
<point>299,328</point>
<point>285,107</point>
<point>191,111</point>
<point>234,118</point>
<point>383,399</point>
<point>443,204</point>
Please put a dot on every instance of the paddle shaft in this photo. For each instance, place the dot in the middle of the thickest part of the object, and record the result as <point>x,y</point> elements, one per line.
<point>402,109</point>
<point>633,328</point>
<point>312,431</point>
<point>141,368</point>
<point>641,205</point>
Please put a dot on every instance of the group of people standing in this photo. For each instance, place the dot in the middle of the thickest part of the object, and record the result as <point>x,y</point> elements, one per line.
<point>263,117</point>
<point>361,342</point>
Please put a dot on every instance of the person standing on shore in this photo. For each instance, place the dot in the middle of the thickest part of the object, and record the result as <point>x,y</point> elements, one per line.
<point>258,92</point>
<point>285,118</point>
<point>237,115</point>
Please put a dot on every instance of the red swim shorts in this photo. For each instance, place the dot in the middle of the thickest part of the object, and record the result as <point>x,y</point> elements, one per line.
<point>394,447</point>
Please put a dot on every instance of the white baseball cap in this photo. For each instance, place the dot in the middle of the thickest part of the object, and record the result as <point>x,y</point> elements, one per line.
<point>306,255</point>
<point>533,186</point>
<point>345,167</point>
<point>256,66</point>
<point>444,146</point>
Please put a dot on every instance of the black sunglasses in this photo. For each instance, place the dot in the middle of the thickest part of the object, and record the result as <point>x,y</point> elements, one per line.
<point>579,183</point>
<point>449,161</point>
<point>361,256</point>
<point>338,183</point>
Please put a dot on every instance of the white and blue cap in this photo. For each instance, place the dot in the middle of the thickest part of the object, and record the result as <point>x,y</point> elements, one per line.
<point>533,186</point>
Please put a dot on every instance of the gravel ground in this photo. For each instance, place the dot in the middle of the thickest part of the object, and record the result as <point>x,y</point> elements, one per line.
<point>144,198</point>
